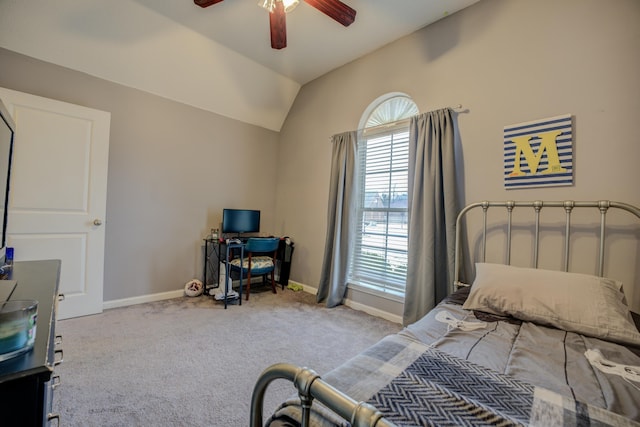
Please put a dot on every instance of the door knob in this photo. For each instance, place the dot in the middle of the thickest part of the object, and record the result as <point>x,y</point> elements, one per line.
<point>97,222</point>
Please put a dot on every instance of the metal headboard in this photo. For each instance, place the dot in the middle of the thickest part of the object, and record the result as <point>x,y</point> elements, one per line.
<point>537,205</point>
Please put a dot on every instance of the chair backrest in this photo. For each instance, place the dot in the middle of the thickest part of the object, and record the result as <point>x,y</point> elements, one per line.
<point>262,244</point>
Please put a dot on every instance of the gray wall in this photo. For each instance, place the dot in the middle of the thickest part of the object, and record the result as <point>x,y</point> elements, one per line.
<point>506,62</point>
<point>172,169</point>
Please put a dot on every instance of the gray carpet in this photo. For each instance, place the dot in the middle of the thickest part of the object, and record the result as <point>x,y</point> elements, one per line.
<point>189,362</point>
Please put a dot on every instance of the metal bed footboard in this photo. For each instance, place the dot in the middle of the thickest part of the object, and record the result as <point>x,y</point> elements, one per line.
<point>310,386</point>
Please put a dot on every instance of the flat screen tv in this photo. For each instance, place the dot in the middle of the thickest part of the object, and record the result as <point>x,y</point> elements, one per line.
<point>7,134</point>
<point>240,221</point>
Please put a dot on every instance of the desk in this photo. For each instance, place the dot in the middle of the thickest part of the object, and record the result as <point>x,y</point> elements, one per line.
<point>215,252</point>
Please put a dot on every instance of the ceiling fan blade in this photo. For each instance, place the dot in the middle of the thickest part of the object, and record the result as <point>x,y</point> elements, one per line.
<point>206,3</point>
<point>278,26</point>
<point>335,9</point>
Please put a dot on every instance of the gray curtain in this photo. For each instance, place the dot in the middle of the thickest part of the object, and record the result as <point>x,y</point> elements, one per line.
<point>432,212</point>
<point>340,221</point>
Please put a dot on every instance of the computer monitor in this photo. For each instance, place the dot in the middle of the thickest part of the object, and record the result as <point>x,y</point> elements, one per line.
<point>240,221</point>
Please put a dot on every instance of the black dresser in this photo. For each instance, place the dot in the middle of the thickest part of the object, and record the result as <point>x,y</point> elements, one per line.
<point>27,381</point>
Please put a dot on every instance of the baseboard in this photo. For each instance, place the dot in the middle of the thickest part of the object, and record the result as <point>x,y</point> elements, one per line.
<point>158,297</point>
<point>306,288</point>
<point>373,311</point>
<point>142,299</point>
<point>357,306</point>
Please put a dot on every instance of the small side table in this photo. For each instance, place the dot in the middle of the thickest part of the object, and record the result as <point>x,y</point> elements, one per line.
<point>213,256</point>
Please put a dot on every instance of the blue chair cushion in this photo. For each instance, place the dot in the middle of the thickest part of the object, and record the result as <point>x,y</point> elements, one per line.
<point>259,264</point>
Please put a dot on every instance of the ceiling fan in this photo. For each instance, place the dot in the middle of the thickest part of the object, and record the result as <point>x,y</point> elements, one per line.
<point>334,9</point>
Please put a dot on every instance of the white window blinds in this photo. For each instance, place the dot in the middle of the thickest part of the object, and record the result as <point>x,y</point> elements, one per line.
<point>380,257</point>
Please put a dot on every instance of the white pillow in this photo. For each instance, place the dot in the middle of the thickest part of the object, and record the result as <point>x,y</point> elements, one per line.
<point>588,305</point>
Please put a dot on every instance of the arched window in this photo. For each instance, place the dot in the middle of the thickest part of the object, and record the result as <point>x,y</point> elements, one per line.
<point>388,109</point>
<point>379,261</point>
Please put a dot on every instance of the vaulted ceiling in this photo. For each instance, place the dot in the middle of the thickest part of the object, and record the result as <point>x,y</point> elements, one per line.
<point>218,58</point>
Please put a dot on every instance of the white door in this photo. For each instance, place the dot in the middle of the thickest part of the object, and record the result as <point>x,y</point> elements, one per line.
<point>58,191</point>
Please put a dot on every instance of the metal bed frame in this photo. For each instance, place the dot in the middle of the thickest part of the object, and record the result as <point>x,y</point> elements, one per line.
<point>568,205</point>
<point>310,386</point>
<point>360,414</point>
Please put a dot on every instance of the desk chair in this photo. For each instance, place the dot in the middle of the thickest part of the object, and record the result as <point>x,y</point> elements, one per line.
<point>259,260</point>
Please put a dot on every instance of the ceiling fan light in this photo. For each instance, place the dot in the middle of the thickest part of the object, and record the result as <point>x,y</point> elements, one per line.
<point>269,5</point>
<point>289,5</point>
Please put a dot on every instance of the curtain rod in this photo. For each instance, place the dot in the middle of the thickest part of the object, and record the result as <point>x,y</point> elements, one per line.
<point>399,122</point>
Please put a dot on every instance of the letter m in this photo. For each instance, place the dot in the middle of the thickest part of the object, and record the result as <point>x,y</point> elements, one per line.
<point>548,144</point>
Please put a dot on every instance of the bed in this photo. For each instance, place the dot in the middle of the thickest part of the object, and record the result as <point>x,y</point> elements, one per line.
<point>518,345</point>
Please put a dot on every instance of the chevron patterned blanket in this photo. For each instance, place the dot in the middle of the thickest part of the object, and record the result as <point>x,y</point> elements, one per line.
<point>439,389</point>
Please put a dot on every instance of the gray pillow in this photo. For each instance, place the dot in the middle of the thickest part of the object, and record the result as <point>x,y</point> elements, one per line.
<point>574,302</point>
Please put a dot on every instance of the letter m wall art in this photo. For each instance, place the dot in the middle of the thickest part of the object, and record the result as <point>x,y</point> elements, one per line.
<point>539,153</point>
